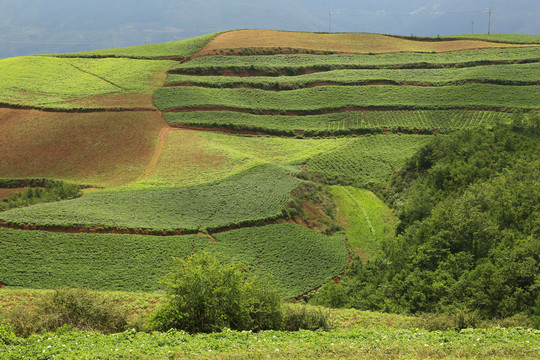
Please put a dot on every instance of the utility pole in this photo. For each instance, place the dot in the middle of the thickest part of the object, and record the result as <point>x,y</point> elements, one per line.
<point>329,21</point>
<point>489,22</point>
<point>472,28</point>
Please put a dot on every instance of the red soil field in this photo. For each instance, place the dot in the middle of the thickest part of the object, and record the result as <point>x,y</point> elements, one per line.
<point>103,149</point>
<point>353,43</point>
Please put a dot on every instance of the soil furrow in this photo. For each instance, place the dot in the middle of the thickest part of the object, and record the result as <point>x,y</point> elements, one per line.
<point>333,110</point>
<point>286,87</point>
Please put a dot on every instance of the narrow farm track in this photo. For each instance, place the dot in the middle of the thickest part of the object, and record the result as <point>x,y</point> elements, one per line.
<point>157,154</point>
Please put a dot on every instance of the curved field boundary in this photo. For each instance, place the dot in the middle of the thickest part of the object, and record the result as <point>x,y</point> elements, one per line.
<point>286,87</point>
<point>97,229</point>
<point>336,110</point>
<point>235,130</point>
<point>4,105</point>
<point>359,43</point>
<point>246,71</point>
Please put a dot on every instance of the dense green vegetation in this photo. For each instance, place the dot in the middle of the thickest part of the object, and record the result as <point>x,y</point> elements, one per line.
<point>174,49</point>
<point>331,98</point>
<point>514,74</point>
<point>343,344</point>
<point>206,296</point>
<point>460,247</point>
<point>298,63</point>
<point>361,122</point>
<point>469,206</point>
<point>250,197</point>
<point>366,161</point>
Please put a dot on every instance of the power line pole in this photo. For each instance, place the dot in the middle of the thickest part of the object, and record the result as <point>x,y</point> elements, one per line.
<point>489,22</point>
<point>329,21</point>
<point>472,28</point>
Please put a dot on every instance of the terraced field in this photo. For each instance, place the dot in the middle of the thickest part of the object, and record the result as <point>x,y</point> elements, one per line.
<point>284,252</point>
<point>358,43</point>
<point>210,174</point>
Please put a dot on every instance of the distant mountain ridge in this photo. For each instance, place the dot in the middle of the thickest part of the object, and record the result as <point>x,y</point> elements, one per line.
<point>35,27</point>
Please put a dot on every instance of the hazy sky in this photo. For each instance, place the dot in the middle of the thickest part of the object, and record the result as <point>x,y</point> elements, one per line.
<point>39,26</point>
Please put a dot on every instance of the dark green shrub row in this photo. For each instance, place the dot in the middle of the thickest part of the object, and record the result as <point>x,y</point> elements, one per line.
<point>54,191</point>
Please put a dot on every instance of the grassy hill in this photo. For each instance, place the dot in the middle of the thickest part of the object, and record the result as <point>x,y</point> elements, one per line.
<point>214,143</point>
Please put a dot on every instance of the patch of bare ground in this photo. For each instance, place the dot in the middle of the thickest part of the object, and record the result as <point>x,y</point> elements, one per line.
<point>104,149</point>
<point>6,193</point>
<point>257,41</point>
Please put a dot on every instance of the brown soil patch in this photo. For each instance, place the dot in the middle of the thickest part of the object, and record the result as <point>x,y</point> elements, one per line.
<point>104,149</point>
<point>358,43</point>
<point>5,193</point>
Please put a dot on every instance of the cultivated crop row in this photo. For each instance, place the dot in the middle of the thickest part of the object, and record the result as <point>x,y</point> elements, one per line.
<point>515,74</point>
<point>332,98</point>
<point>296,259</point>
<point>366,161</point>
<point>300,63</point>
<point>341,123</point>
<point>359,343</point>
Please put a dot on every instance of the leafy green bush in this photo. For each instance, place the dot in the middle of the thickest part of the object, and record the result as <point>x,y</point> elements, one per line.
<point>7,335</point>
<point>207,296</point>
<point>297,317</point>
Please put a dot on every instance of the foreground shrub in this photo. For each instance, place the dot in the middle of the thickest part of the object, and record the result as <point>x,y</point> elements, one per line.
<point>207,296</point>
<point>82,309</point>
<point>296,317</point>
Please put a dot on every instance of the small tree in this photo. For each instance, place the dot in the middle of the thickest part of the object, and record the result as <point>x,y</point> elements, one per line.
<point>207,296</point>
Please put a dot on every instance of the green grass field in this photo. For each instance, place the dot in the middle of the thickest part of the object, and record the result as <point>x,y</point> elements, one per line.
<point>52,82</point>
<point>195,157</point>
<point>332,98</point>
<point>367,219</point>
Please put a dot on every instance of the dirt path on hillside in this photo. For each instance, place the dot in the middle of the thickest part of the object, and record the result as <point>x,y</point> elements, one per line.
<point>159,149</point>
